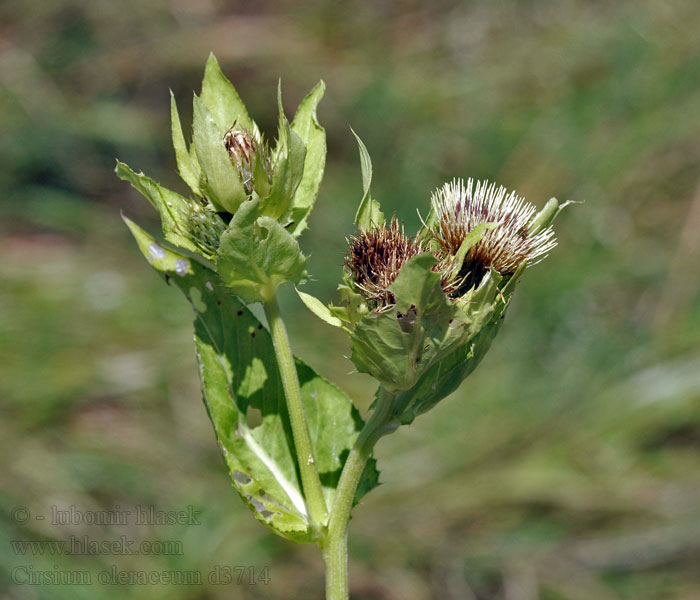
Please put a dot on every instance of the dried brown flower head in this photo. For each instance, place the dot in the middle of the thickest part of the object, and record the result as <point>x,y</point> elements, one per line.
<point>375,257</point>
<point>459,209</point>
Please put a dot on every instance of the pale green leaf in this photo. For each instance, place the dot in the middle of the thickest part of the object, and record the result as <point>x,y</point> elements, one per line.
<point>257,253</point>
<point>479,321</point>
<point>309,130</point>
<point>172,208</point>
<point>396,345</point>
<point>446,375</point>
<point>288,167</point>
<point>187,165</point>
<point>369,212</point>
<point>425,332</point>
<point>319,309</point>
<point>239,376</point>
<point>219,178</point>
<point>222,100</point>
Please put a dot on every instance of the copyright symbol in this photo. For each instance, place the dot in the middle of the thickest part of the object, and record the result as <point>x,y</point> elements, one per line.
<point>20,514</point>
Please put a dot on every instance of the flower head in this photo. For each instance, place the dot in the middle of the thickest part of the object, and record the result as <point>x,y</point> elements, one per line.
<point>244,150</point>
<point>511,241</point>
<point>375,257</point>
<point>204,227</point>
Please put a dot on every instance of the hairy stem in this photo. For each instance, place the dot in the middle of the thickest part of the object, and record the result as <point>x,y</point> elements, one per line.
<point>334,545</point>
<point>310,481</point>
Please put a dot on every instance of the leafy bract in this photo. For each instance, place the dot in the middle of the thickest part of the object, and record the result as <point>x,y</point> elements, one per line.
<point>256,254</point>
<point>288,167</point>
<point>410,346</point>
<point>309,130</point>
<point>482,311</point>
<point>397,344</point>
<point>187,164</point>
<point>219,180</point>
<point>240,377</point>
<point>546,216</point>
<point>172,208</point>
<point>320,309</point>
<point>286,180</point>
<point>369,212</point>
<point>222,100</point>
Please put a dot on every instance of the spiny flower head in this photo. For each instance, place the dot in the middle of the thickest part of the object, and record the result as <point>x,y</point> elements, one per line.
<point>205,227</point>
<point>375,257</point>
<point>512,240</point>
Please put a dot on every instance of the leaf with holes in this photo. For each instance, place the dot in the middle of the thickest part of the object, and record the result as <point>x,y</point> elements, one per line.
<point>241,383</point>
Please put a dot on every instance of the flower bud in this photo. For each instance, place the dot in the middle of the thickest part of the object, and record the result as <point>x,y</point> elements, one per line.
<point>244,150</point>
<point>205,227</point>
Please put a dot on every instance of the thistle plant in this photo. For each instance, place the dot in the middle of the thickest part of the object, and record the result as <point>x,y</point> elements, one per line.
<point>420,311</point>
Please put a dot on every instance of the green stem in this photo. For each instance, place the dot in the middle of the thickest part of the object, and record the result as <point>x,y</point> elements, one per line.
<point>335,557</point>
<point>310,481</point>
<point>335,543</point>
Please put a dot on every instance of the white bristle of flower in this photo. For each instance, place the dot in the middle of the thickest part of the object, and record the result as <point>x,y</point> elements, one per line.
<point>459,209</point>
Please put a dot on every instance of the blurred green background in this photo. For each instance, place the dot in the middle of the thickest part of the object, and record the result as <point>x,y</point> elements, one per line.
<point>565,468</point>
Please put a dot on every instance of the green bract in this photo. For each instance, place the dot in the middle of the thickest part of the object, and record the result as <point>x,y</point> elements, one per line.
<point>420,312</point>
<point>398,345</point>
<point>239,375</point>
<point>257,254</point>
<point>258,249</point>
<point>277,177</point>
<point>217,265</point>
<point>482,311</point>
<point>441,319</point>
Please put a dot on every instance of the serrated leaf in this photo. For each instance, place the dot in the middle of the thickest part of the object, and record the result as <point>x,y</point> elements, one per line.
<point>222,100</point>
<point>369,212</point>
<point>257,252</point>
<point>239,374</point>
<point>172,208</point>
<point>187,166</point>
<point>309,130</point>
<point>219,179</point>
